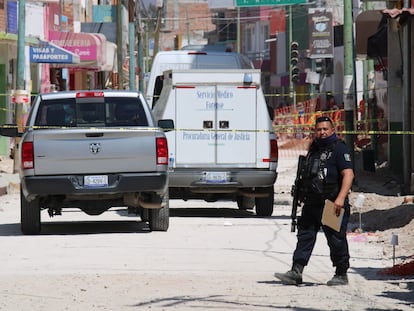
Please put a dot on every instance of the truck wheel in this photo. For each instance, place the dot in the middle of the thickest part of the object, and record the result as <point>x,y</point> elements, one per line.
<point>264,206</point>
<point>29,216</point>
<point>245,203</point>
<point>159,219</point>
<point>144,213</point>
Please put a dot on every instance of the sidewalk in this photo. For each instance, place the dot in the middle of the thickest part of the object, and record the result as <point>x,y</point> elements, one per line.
<point>9,181</point>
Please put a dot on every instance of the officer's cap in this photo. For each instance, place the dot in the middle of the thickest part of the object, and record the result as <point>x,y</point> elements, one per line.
<point>324,119</point>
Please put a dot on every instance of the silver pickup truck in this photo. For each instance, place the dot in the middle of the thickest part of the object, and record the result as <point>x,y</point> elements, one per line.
<point>92,150</point>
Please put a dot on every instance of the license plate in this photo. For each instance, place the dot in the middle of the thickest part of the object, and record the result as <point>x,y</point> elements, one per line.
<point>216,177</point>
<point>96,181</point>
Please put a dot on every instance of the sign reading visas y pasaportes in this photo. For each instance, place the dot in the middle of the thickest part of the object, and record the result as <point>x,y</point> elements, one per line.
<point>268,2</point>
<point>47,52</point>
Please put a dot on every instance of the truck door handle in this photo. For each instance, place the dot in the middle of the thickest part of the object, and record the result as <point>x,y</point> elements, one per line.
<point>224,124</point>
<point>207,124</point>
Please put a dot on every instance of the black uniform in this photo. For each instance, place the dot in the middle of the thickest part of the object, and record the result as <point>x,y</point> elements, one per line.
<point>322,180</point>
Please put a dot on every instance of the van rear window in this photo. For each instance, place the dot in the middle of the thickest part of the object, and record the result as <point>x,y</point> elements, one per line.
<point>107,112</point>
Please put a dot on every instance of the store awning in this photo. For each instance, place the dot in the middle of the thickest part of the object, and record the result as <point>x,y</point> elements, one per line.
<point>47,52</point>
<point>367,25</point>
<point>90,47</point>
<point>371,30</point>
<point>111,57</point>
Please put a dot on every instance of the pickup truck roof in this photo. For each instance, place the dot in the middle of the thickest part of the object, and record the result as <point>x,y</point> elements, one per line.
<point>104,108</point>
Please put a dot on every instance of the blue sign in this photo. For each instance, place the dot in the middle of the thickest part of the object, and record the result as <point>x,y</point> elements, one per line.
<point>12,17</point>
<point>104,13</point>
<point>50,53</point>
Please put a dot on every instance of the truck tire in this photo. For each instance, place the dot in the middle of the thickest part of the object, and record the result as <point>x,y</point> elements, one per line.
<point>29,216</point>
<point>245,203</point>
<point>159,219</point>
<point>144,213</point>
<point>264,206</point>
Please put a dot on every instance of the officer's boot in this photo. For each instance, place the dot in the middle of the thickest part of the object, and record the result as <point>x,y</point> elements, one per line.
<point>340,278</point>
<point>293,276</point>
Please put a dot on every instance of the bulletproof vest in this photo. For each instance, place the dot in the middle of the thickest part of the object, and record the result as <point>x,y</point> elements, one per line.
<point>316,184</point>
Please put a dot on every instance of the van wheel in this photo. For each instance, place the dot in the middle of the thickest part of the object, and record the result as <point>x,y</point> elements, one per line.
<point>264,206</point>
<point>159,218</point>
<point>245,203</point>
<point>29,216</point>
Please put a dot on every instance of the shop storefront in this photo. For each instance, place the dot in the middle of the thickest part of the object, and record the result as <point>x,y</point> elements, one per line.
<point>96,61</point>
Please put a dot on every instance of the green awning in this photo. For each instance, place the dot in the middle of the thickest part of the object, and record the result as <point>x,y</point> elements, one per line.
<point>13,37</point>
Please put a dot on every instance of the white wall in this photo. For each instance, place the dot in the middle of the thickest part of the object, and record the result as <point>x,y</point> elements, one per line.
<point>34,20</point>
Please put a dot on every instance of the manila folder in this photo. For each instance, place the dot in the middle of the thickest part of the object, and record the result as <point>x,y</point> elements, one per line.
<point>329,217</point>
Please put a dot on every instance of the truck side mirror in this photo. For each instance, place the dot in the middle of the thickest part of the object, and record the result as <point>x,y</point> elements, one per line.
<point>9,130</point>
<point>166,124</point>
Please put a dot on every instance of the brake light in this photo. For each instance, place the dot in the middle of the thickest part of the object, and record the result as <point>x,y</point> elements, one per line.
<point>162,150</point>
<point>89,94</point>
<point>27,155</point>
<point>274,150</point>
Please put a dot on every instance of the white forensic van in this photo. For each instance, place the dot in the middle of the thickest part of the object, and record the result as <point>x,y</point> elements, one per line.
<point>222,147</point>
<point>190,59</point>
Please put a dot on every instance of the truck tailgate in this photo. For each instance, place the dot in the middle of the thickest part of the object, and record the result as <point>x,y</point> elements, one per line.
<point>93,151</point>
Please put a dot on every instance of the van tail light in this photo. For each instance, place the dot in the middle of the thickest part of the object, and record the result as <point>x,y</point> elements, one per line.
<point>27,155</point>
<point>274,150</point>
<point>162,150</point>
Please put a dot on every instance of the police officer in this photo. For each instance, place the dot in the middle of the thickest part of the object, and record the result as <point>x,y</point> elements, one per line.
<point>328,174</point>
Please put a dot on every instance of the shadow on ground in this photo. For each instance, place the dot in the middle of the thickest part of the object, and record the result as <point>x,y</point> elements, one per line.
<point>381,220</point>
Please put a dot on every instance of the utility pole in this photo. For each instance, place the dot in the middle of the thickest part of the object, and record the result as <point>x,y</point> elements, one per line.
<point>238,31</point>
<point>131,28</point>
<point>140,63</point>
<point>349,93</point>
<point>140,49</point>
<point>291,83</point>
<point>119,45</point>
<point>408,176</point>
<point>157,30</point>
<point>21,95</point>
<point>369,96</point>
<point>188,25</point>
<point>21,47</point>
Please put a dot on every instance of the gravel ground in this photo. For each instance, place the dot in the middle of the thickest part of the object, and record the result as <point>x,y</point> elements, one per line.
<point>207,260</point>
<point>384,213</point>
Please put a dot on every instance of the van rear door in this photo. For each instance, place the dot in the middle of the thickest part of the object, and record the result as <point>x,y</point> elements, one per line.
<point>195,119</point>
<point>236,112</point>
<point>215,125</point>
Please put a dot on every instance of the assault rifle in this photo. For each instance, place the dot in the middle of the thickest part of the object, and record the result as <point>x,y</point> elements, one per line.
<point>295,190</point>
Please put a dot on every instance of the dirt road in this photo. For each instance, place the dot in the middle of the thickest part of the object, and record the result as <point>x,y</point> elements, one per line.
<point>212,257</point>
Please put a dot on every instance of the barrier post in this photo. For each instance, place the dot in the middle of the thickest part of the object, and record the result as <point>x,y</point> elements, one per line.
<point>21,100</point>
<point>22,108</point>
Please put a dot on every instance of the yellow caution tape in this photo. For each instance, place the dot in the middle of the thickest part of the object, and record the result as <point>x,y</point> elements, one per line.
<point>280,129</point>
